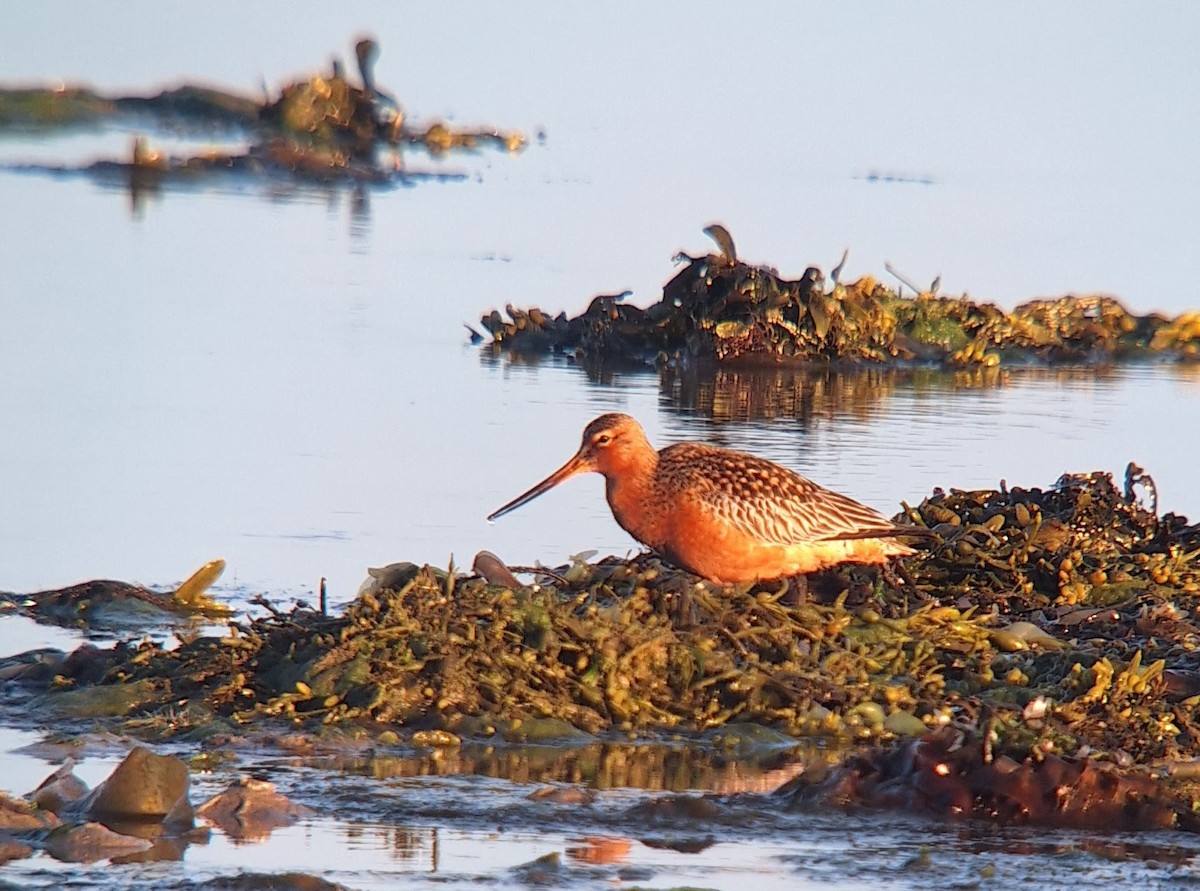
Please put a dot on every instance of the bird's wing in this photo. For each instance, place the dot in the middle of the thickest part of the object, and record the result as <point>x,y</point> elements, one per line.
<point>775,505</point>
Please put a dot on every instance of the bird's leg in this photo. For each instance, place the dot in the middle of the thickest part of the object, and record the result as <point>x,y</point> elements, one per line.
<point>797,592</point>
<point>897,578</point>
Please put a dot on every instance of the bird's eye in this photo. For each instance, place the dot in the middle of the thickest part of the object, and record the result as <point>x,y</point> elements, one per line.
<point>602,439</point>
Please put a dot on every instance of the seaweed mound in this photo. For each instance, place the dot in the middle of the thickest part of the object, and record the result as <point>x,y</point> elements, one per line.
<point>1058,621</point>
<point>327,128</point>
<point>720,308</point>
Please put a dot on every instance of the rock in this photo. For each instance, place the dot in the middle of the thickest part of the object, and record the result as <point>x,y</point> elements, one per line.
<point>33,667</point>
<point>948,774</point>
<point>545,730</point>
<point>272,881</point>
<point>145,786</point>
<point>13,850</point>
<point>99,701</point>
<point>90,842</point>
<point>251,809</point>
<point>674,808</point>
<point>562,795</point>
<point>59,789</point>
<point>746,735</point>
<point>545,870</point>
<point>905,724</point>
<point>19,815</point>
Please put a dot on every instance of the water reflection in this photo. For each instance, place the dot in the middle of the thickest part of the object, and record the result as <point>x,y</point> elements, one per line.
<point>756,394</point>
<point>747,393</point>
<point>762,394</point>
<point>360,217</point>
<point>1147,848</point>
<point>600,766</point>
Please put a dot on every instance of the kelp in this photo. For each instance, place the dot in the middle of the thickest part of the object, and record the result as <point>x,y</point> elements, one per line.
<point>1058,617</point>
<point>720,308</point>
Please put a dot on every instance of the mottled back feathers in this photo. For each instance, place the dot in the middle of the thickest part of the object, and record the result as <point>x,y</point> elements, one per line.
<point>765,500</point>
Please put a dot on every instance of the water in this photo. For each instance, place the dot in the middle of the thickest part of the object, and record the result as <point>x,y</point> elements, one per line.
<point>280,376</point>
<point>269,383</point>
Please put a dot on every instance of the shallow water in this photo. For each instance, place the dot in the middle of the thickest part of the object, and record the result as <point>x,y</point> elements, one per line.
<point>279,375</point>
<point>394,820</point>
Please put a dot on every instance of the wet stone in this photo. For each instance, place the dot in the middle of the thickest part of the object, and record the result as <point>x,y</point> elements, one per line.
<point>90,842</point>
<point>561,795</point>
<point>947,774</point>
<point>250,809</point>
<point>545,870</point>
<point>13,850</point>
<point>100,701</point>
<point>676,808</point>
<point>276,881</point>
<point>145,786</point>
<point>59,789</point>
<point>545,730</point>
<point>18,816</point>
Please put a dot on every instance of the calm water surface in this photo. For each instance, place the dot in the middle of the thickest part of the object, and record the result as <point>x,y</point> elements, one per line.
<point>280,376</point>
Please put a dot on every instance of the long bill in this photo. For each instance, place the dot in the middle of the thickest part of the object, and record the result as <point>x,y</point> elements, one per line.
<point>578,464</point>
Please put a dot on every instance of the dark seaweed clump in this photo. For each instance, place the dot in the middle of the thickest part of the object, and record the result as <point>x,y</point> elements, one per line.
<point>328,127</point>
<point>720,308</point>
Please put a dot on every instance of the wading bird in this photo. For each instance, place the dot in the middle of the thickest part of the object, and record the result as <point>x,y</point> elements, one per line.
<point>724,515</point>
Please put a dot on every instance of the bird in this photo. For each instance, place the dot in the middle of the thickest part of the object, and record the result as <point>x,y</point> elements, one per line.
<point>727,516</point>
<point>724,240</point>
<point>385,110</point>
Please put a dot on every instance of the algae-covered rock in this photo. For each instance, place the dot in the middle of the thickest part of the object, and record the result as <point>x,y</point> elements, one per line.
<point>326,127</point>
<point>744,735</point>
<point>102,700</point>
<point>948,774</point>
<point>103,604</point>
<point>545,730</point>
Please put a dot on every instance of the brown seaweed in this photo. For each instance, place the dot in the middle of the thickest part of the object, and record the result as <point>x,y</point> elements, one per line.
<point>718,307</point>
<point>326,127</point>
<point>1045,624</point>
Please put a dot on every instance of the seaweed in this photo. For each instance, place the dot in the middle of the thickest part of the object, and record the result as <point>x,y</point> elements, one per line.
<point>720,308</point>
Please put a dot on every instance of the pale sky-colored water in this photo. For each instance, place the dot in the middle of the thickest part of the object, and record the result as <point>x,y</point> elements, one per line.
<point>1060,136</point>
